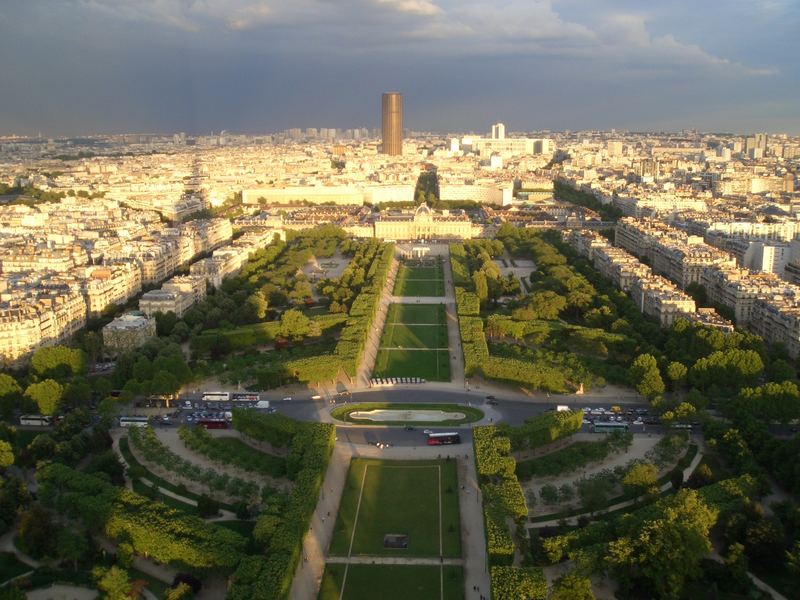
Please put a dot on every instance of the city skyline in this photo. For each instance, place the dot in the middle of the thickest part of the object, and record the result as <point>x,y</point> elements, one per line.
<point>252,67</point>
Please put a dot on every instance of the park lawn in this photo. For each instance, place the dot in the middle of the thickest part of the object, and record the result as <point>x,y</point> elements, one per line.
<point>414,314</point>
<point>419,287</point>
<point>432,365</point>
<point>11,567</point>
<point>407,272</point>
<point>398,335</point>
<point>399,497</point>
<point>392,582</point>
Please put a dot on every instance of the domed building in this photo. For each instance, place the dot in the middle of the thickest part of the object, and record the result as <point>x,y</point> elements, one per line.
<point>424,223</point>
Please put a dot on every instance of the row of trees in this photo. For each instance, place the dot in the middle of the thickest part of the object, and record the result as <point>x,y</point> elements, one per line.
<point>281,526</point>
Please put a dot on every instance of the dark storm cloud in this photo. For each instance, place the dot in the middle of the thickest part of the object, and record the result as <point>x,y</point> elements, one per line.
<point>80,66</point>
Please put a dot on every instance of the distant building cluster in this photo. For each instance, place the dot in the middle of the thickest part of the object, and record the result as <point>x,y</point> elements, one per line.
<point>762,302</point>
<point>63,263</point>
<point>655,295</point>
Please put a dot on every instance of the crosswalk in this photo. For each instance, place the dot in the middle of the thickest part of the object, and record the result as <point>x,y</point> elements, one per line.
<point>388,381</point>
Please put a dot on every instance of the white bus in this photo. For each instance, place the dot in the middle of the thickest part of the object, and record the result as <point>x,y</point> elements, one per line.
<point>216,396</point>
<point>133,421</point>
<point>36,420</point>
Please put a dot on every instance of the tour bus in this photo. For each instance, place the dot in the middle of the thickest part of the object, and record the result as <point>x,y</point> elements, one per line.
<point>36,420</point>
<point>245,397</point>
<point>213,423</point>
<point>133,421</point>
<point>216,396</point>
<point>609,426</point>
<point>438,439</point>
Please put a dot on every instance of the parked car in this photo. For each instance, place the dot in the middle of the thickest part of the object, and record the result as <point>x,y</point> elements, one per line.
<point>287,398</point>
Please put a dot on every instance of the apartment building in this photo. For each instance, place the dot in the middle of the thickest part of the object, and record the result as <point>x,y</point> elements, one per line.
<point>127,332</point>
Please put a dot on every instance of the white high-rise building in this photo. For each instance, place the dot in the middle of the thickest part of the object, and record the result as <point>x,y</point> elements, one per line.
<point>498,131</point>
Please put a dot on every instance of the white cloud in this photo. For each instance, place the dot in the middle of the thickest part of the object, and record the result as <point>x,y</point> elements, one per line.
<point>416,7</point>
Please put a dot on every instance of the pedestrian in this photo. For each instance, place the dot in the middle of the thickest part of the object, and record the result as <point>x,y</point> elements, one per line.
<point>329,513</point>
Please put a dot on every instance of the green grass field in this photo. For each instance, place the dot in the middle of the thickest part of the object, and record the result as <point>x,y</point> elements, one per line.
<point>419,281</point>
<point>414,314</point>
<point>404,330</point>
<point>392,582</point>
<point>398,335</point>
<point>432,365</point>
<point>414,498</point>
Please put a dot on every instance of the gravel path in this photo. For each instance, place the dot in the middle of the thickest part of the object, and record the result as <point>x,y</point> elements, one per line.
<point>169,437</point>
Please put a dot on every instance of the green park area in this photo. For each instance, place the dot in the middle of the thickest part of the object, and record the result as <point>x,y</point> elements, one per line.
<point>414,499</point>
<point>391,582</point>
<point>419,281</point>
<point>414,343</point>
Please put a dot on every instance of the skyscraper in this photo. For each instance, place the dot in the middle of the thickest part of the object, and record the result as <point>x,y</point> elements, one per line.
<point>392,123</point>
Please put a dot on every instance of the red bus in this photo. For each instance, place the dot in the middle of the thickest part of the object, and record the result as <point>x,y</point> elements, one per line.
<point>213,423</point>
<point>438,439</point>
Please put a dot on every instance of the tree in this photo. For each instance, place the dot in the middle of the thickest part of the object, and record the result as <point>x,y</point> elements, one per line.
<point>71,546</point>
<point>10,395</point>
<point>92,343</point>
<point>481,285</point>
<point>58,361</point>
<point>77,394</point>
<point>641,478</point>
<point>736,561</point>
<point>549,494</point>
<point>113,582</point>
<point>6,454</point>
<point>295,325</point>
<point>257,306</point>
<point>165,322</point>
<point>793,559</point>
<point>572,587</point>
<point>207,507</point>
<point>645,376</point>
<point>676,373</point>
<point>35,532</point>
<point>182,591</point>
<point>546,305</point>
<point>666,548</point>
<point>46,394</point>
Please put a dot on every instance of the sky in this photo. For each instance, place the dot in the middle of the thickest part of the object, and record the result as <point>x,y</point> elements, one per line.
<point>72,67</point>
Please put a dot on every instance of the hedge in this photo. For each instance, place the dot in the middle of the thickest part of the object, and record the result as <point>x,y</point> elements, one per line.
<point>153,529</point>
<point>473,344</point>
<point>502,494</point>
<point>459,265</point>
<point>543,429</point>
<point>467,303</point>
<point>310,446</point>
<point>518,583</point>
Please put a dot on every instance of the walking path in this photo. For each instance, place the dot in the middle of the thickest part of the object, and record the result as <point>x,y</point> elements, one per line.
<point>224,515</point>
<point>457,377</point>
<point>169,437</point>
<point>374,336</point>
<point>760,584</point>
<point>687,472</point>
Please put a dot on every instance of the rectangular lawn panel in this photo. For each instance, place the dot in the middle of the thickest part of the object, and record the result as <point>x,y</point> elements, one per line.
<point>419,287</point>
<point>398,335</point>
<point>419,281</point>
<point>392,582</point>
<point>432,365</point>
<point>412,314</point>
<point>399,497</point>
